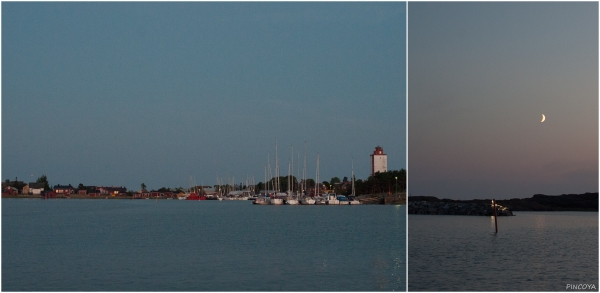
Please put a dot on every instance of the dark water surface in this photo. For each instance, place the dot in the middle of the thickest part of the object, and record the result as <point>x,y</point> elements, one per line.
<point>533,251</point>
<point>171,245</point>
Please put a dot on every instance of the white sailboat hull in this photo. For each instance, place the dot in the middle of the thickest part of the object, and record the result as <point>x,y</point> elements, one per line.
<point>276,201</point>
<point>291,202</point>
<point>307,201</point>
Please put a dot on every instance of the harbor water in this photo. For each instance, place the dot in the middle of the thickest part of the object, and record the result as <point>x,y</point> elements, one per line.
<point>533,251</point>
<point>172,245</point>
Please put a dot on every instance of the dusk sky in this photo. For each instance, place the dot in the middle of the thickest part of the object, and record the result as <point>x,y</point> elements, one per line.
<point>480,76</point>
<point>129,93</point>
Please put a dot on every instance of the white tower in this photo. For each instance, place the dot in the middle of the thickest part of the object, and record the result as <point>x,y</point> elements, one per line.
<point>378,161</point>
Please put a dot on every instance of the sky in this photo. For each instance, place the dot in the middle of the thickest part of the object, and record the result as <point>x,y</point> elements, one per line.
<point>480,76</point>
<point>170,94</point>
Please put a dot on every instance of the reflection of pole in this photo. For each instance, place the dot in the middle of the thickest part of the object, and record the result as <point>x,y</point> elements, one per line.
<point>495,215</point>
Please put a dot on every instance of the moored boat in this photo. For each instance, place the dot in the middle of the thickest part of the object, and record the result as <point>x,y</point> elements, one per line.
<point>276,201</point>
<point>343,200</point>
<point>352,200</point>
<point>195,196</point>
<point>291,201</point>
<point>261,200</point>
<point>320,200</point>
<point>307,200</point>
<point>332,199</point>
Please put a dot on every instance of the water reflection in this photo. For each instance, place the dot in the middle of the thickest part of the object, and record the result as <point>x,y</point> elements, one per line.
<point>449,252</point>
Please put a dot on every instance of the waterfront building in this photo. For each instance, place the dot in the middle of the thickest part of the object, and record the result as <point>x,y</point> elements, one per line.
<point>63,189</point>
<point>33,188</point>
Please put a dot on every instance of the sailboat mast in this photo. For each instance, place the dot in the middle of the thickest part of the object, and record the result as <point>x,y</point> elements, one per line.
<point>353,177</point>
<point>304,170</point>
<point>317,176</point>
<point>276,166</point>
<point>292,173</point>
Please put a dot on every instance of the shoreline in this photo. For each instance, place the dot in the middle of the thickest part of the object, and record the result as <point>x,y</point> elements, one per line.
<point>369,199</point>
<point>585,202</point>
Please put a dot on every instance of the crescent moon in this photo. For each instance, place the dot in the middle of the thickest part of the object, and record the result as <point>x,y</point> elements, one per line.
<point>543,118</point>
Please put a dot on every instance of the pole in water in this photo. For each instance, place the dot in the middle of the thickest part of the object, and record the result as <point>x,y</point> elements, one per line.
<point>495,215</point>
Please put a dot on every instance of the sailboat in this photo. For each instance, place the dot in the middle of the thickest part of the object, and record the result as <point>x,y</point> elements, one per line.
<point>332,199</point>
<point>352,198</point>
<point>318,198</point>
<point>275,200</point>
<point>290,200</point>
<point>305,199</point>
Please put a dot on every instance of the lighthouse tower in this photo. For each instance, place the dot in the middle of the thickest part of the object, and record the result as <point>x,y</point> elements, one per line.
<point>378,161</point>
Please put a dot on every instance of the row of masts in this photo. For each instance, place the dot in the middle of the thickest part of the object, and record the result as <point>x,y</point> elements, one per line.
<point>274,183</point>
<point>224,189</point>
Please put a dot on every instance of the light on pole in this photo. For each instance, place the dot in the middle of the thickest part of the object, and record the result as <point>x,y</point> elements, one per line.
<point>396,185</point>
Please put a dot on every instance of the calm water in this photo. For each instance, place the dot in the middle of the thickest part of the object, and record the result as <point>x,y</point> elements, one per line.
<point>171,245</point>
<point>532,251</point>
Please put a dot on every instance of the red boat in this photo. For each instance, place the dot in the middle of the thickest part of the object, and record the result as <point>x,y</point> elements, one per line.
<point>195,196</point>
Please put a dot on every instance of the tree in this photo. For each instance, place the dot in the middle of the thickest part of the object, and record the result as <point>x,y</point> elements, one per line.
<point>44,179</point>
<point>310,183</point>
<point>81,186</point>
<point>345,179</point>
<point>143,186</point>
<point>259,186</point>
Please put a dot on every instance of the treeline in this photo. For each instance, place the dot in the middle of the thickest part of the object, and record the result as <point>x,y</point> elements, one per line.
<point>539,202</point>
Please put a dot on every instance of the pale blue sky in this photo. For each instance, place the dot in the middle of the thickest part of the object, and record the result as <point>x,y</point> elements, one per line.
<point>480,76</point>
<point>124,93</point>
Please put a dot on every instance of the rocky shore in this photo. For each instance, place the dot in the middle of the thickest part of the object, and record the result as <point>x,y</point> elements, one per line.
<point>455,208</point>
<point>383,198</point>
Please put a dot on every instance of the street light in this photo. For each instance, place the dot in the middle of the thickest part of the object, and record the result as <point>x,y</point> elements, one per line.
<point>396,185</point>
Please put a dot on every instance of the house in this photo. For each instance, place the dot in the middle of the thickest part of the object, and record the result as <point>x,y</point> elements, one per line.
<point>15,184</point>
<point>63,189</point>
<point>9,190</point>
<point>49,194</point>
<point>82,192</point>
<point>34,188</point>
<point>111,190</point>
<point>93,192</point>
<point>210,192</point>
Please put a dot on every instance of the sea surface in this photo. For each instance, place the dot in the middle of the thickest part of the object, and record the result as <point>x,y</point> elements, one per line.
<point>173,245</point>
<point>533,251</point>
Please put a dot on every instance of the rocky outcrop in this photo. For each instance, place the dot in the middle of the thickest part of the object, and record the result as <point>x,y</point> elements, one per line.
<point>455,208</point>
